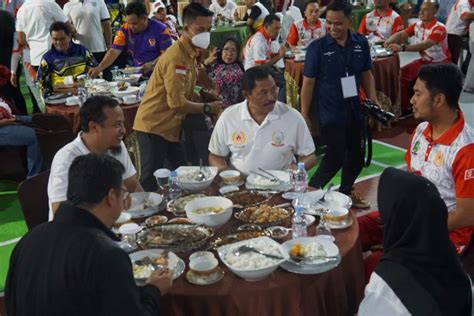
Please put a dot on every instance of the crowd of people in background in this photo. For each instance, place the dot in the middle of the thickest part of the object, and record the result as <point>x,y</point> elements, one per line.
<point>226,106</point>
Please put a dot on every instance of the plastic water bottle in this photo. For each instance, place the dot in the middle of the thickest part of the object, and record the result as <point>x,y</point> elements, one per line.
<point>299,223</point>
<point>373,51</point>
<point>174,189</point>
<point>301,179</point>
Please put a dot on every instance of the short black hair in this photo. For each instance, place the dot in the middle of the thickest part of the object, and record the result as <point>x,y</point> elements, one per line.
<point>445,79</point>
<point>93,110</point>
<point>310,2</point>
<point>92,176</point>
<point>269,19</point>
<point>340,5</point>
<point>137,7</point>
<point>59,26</point>
<point>194,10</point>
<point>255,74</point>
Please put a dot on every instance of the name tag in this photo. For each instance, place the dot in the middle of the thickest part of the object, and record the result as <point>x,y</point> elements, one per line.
<point>349,87</point>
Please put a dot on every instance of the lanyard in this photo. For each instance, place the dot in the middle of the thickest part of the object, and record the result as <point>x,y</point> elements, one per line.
<point>348,57</point>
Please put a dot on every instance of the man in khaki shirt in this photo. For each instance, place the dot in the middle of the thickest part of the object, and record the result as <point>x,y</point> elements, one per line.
<point>170,96</point>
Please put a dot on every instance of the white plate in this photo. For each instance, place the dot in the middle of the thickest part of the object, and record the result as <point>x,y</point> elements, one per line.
<point>333,200</point>
<point>316,266</point>
<point>289,195</point>
<point>228,188</point>
<point>341,225</point>
<point>136,209</point>
<point>175,263</point>
<point>130,90</point>
<point>55,101</point>
<point>283,176</point>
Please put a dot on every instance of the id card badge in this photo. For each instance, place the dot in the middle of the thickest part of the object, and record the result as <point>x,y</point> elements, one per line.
<point>349,87</point>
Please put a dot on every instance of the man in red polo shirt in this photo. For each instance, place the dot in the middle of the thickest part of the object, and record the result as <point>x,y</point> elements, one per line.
<point>381,23</point>
<point>430,40</point>
<point>442,150</point>
<point>304,31</point>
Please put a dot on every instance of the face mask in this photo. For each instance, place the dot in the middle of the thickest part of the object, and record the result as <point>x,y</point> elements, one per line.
<point>201,40</point>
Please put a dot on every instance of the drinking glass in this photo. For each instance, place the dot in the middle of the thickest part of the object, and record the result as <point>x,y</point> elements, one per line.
<point>162,179</point>
<point>323,229</point>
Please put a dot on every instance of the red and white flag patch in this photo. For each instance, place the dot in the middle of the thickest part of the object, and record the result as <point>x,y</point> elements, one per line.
<point>181,70</point>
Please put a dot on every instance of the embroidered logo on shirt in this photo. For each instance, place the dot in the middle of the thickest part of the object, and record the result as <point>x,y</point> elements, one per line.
<point>438,158</point>
<point>328,53</point>
<point>238,138</point>
<point>152,42</point>
<point>277,139</point>
<point>469,174</point>
<point>181,70</point>
<point>414,151</point>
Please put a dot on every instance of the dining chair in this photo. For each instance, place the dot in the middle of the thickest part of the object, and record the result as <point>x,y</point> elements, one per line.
<point>33,196</point>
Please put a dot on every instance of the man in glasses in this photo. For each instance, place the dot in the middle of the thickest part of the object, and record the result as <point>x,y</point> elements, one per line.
<point>102,131</point>
<point>73,265</point>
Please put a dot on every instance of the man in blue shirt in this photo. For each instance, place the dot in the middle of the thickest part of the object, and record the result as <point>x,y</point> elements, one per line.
<point>336,66</point>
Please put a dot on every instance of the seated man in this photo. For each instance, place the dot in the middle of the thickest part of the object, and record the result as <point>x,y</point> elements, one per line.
<point>223,9</point>
<point>75,259</point>
<point>13,132</point>
<point>102,131</point>
<point>457,25</point>
<point>292,14</point>
<point>65,58</point>
<point>260,132</point>
<point>442,150</point>
<point>381,23</point>
<point>144,40</point>
<point>429,39</point>
<point>256,13</point>
<point>303,32</point>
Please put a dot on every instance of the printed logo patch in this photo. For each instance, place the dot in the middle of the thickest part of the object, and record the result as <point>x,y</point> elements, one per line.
<point>438,159</point>
<point>181,70</point>
<point>238,138</point>
<point>278,138</point>
<point>152,42</point>
<point>469,174</point>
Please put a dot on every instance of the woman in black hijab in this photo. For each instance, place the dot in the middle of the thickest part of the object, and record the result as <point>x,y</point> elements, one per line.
<point>420,272</point>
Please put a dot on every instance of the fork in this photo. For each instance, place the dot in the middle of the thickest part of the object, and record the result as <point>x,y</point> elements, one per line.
<point>323,198</point>
<point>269,174</point>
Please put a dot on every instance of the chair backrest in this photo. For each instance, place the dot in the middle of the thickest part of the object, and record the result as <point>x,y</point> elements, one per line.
<point>33,196</point>
<point>53,132</point>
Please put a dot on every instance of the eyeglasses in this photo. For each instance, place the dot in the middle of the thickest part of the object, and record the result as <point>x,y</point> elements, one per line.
<point>232,50</point>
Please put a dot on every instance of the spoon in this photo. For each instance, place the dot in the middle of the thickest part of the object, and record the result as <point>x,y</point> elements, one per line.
<point>323,198</point>
<point>311,258</point>
<point>248,248</point>
<point>201,177</point>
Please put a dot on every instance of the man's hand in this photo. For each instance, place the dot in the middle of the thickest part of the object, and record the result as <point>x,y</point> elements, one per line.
<point>147,67</point>
<point>216,106</point>
<point>282,50</point>
<point>162,279</point>
<point>212,57</point>
<point>7,121</point>
<point>395,48</point>
<point>236,16</point>
<point>94,72</point>
<point>13,80</point>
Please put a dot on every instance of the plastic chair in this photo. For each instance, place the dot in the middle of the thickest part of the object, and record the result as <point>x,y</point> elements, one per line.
<point>33,196</point>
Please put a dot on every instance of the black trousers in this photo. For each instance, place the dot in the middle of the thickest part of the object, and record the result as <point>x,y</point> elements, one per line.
<point>154,150</point>
<point>197,134</point>
<point>344,150</point>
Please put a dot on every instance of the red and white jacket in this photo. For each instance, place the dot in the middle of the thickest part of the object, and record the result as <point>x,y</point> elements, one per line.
<point>381,26</point>
<point>301,30</point>
<point>454,24</point>
<point>435,31</point>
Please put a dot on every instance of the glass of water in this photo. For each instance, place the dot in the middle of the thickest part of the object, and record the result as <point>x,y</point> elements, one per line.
<point>162,176</point>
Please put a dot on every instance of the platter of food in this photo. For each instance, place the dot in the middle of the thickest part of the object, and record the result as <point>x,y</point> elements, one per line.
<point>123,88</point>
<point>175,237</point>
<point>177,205</point>
<point>235,237</point>
<point>264,215</point>
<point>131,70</point>
<point>248,198</point>
<point>144,262</point>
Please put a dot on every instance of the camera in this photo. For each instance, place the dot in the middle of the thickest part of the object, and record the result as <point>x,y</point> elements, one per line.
<point>377,112</point>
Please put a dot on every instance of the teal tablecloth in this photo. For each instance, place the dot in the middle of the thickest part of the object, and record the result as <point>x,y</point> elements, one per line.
<point>222,32</point>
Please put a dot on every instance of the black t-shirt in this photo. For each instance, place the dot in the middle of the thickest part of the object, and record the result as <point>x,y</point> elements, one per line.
<point>254,13</point>
<point>7,31</point>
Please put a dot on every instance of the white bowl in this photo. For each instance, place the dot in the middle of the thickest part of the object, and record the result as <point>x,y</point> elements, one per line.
<point>73,101</point>
<point>203,264</point>
<point>230,177</point>
<point>119,94</point>
<point>210,219</point>
<point>130,99</point>
<point>255,274</point>
<point>144,203</point>
<point>130,78</point>
<point>191,185</point>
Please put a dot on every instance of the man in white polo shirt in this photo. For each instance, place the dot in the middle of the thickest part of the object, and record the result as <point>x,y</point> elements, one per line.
<point>260,132</point>
<point>223,9</point>
<point>457,25</point>
<point>102,125</point>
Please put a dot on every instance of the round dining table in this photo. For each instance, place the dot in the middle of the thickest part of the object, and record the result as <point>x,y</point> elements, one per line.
<point>71,113</point>
<point>335,292</point>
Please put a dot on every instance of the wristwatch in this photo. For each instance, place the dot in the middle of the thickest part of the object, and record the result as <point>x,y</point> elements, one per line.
<point>403,47</point>
<point>206,109</point>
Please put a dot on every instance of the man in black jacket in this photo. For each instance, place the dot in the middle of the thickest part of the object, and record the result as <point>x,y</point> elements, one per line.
<point>72,265</point>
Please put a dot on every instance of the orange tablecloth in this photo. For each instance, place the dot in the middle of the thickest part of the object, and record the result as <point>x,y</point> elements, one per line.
<point>71,113</point>
<point>386,72</point>
<point>336,292</point>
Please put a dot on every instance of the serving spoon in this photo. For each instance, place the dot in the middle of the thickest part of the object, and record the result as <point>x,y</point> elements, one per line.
<point>248,248</point>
